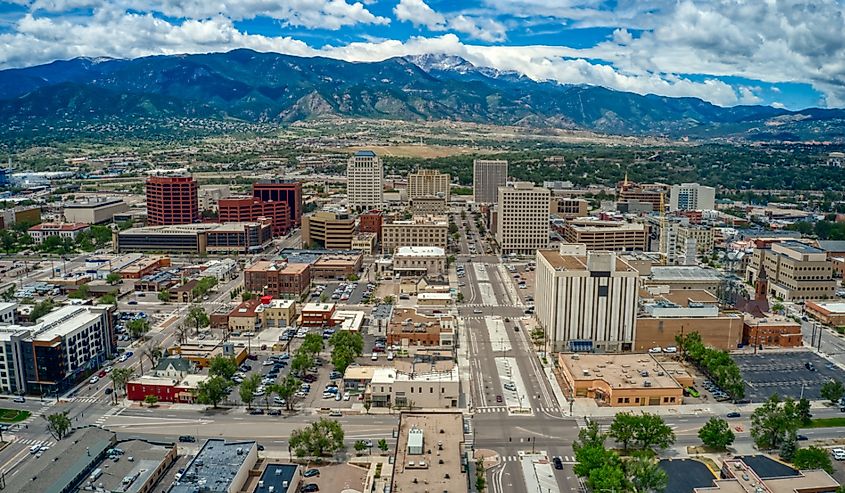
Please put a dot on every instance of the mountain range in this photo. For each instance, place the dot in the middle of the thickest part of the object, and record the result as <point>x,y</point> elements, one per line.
<point>273,88</point>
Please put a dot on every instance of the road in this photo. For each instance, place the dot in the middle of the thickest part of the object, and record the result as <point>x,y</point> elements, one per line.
<point>528,419</point>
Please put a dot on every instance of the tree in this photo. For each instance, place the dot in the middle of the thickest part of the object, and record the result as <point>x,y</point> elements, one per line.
<point>352,277</point>
<point>113,278</point>
<point>312,343</point>
<point>286,389</point>
<point>301,361</point>
<point>389,300</point>
<point>107,299</point>
<point>138,327</point>
<point>346,346</point>
<point>651,431</point>
<point>222,366</point>
<point>813,458</point>
<point>591,457</point>
<point>153,353</point>
<point>459,298</point>
<point>164,296</point>
<point>607,477</point>
<point>623,429</point>
<point>212,391</point>
<point>203,286</point>
<point>82,292</point>
<point>589,436</point>
<point>151,400</point>
<point>480,476</point>
<point>248,388</point>
<point>833,390</point>
<point>360,446</point>
<point>58,424</point>
<point>789,447</point>
<point>41,309</point>
<point>382,445</point>
<point>321,438</point>
<point>773,422</point>
<point>197,317</point>
<point>803,408</point>
<point>645,475</point>
<point>367,405</point>
<point>120,377</point>
<point>716,434</point>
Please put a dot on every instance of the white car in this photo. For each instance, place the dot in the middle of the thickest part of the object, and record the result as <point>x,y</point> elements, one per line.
<point>657,349</point>
<point>338,397</point>
<point>94,379</point>
<point>670,349</point>
<point>838,453</point>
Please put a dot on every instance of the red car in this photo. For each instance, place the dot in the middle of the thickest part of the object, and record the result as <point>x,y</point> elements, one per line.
<point>102,373</point>
<point>498,398</point>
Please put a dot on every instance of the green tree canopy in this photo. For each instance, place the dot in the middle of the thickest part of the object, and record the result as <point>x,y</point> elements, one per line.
<point>773,422</point>
<point>222,366</point>
<point>198,317</point>
<point>833,390</point>
<point>212,391</point>
<point>813,458</point>
<point>716,434</point>
<point>58,424</point>
<point>321,438</point>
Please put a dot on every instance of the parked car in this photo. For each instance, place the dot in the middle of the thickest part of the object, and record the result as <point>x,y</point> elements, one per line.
<point>310,473</point>
<point>734,414</point>
<point>558,463</point>
<point>309,488</point>
<point>187,439</point>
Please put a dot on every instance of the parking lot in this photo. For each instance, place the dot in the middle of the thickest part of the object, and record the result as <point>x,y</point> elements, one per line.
<point>785,374</point>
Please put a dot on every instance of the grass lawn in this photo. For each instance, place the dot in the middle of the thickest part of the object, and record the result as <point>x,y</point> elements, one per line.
<point>13,415</point>
<point>826,423</point>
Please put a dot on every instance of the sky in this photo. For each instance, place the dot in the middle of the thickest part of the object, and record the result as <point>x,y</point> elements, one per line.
<point>783,53</point>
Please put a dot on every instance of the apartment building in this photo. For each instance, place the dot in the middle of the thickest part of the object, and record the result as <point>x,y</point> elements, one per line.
<point>59,350</point>
<point>417,231</point>
<point>365,180</point>
<point>701,236</point>
<point>278,278</point>
<point>428,183</point>
<point>569,208</point>
<point>614,236</point>
<point>330,229</point>
<point>172,200</point>
<point>795,271</point>
<point>487,176</point>
<point>586,301</point>
<point>692,197</point>
<point>522,219</point>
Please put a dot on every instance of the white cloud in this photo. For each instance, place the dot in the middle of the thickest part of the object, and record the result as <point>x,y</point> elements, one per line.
<point>419,13</point>
<point>482,28</point>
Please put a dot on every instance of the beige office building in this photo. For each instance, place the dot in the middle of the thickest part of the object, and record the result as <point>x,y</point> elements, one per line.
<point>702,235</point>
<point>419,231</point>
<point>795,271</point>
<point>428,183</point>
<point>420,261</point>
<point>522,219</point>
<point>692,197</point>
<point>329,229</point>
<point>365,180</point>
<point>429,205</point>
<point>607,235</point>
<point>569,208</point>
<point>487,176</point>
<point>95,210</point>
<point>586,301</point>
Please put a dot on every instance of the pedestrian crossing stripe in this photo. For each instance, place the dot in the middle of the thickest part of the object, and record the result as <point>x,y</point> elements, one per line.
<point>503,409</point>
<point>566,459</point>
<point>33,441</point>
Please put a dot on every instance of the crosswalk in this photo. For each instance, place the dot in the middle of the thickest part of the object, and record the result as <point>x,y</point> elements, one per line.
<point>566,459</point>
<point>114,411</point>
<point>504,409</point>
<point>34,441</point>
<point>87,399</point>
<point>42,411</point>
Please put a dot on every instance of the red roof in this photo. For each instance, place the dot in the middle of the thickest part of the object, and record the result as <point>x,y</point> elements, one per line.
<point>59,227</point>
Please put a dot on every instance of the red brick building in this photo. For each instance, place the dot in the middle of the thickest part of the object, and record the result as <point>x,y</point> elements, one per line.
<point>278,279</point>
<point>289,192</point>
<point>248,209</point>
<point>172,200</point>
<point>167,389</point>
<point>772,331</point>
<point>370,222</point>
<point>318,314</point>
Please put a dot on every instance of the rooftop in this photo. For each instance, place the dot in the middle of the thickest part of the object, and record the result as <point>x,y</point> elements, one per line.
<point>577,262</point>
<point>122,476</point>
<point>800,247</point>
<point>406,320</point>
<point>619,370</point>
<point>215,467</point>
<point>683,273</point>
<point>57,323</point>
<point>318,307</point>
<point>365,153</point>
<point>276,478</point>
<point>439,466</point>
<point>834,307</point>
<point>420,251</point>
<point>832,245</point>
<point>94,202</point>
<point>59,227</point>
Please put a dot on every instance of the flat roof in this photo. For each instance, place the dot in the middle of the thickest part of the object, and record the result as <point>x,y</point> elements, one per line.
<point>408,320</point>
<point>683,297</point>
<point>800,247</point>
<point>577,262</point>
<point>833,307</point>
<point>683,273</point>
<point>318,307</point>
<point>94,203</point>
<point>620,370</point>
<point>277,478</point>
<point>147,458</point>
<point>420,251</point>
<point>214,467</point>
<point>440,469</point>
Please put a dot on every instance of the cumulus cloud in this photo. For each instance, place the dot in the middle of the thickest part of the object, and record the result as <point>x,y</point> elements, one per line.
<point>482,28</point>
<point>419,13</point>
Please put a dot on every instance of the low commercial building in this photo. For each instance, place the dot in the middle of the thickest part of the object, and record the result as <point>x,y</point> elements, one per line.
<point>149,464</point>
<point>622,379</point>
<point>165,388</point>
<point>159,281</point>
<point>218,467</point>
<point>183,293</point>
<point>337,266</point>
<point>665,314</point>
<point>244,318</point>
<point>199,238</point>
<point>434,299</point>
<point>418,231</point>
<point>684,277</point>
<point>410,328</point>
<point>350,320</point>
<point>28,214</point>
<point>430,451</point>
<point>419,261</point>
<point>278,278</point>
<point>738,477</point>
<point>202,353</point>
<point>420,389</point>
<point>317,314</point>
<point>69,231</point>
<point>614,236</point>
<point>330,229</point>
<point>58,351</point>
<point>144,266</point>
<point>95,210</point>
<point>826,313</point>
<point>271,477</point>
<point>366,242</point>
<point>277,313</point>
<point>772,330</point>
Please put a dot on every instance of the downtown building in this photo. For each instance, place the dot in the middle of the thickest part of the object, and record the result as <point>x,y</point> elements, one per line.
<point>522,219</point>
<point>795,271</point>
<point>286,191</point>
<point>586,301</point>
<point>692,197</point>
<point>202,238</point>
<point>332,229</point>
<point>62,348</point>
<point>428,183</point>
<point>419,231</point>
<point>172,200</point>
<point>616,236</point>
<point>246,209</point>
<point>365,180</point>
<point>487,176</point>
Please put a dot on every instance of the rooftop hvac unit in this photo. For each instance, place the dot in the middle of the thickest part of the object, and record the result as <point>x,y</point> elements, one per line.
<point>646,383</point>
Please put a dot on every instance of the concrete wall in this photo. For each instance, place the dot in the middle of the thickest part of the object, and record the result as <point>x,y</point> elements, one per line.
<point>723,332</point>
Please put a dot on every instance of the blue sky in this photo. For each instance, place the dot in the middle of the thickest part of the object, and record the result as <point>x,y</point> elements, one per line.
<point>788,53</point>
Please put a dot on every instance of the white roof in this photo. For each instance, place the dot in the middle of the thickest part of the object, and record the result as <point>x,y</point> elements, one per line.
<point>58,323</point>
<point>434,296</point>
<point>420,251</point>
